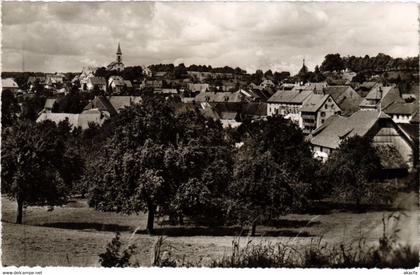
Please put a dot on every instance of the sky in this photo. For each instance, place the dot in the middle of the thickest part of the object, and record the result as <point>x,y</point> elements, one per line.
<point>64,37</point>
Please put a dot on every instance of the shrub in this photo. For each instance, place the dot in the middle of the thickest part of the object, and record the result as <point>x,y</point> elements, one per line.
<point>114,257</point>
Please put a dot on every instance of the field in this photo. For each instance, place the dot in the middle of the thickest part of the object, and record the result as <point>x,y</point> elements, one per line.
<point>74,235</point>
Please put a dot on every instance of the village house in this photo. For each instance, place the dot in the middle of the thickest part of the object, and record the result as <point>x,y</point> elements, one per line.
<point>94,83</point>
<point>394,145</point>
<point>54,80</point>
<point>288,104</point>
<point>33,80</point>
<point>219,97</point>
<point>9,84</point>
<point>381,97</point>
<point>166,91</point>
<point>402,112</point>
<point>76,120</point>
<point>117,84</point>
<point>364,88</point>
<point>267,84</point>
<point>253,86</point>
<point>316,110</point>
<point>250,95</point>
<point>120,102</point>
<point>198,87</point>
<point>102,104</point>
<point>153,84</point>
<point>200,76</point>
<point>316,87</point>
<point>345,97</point>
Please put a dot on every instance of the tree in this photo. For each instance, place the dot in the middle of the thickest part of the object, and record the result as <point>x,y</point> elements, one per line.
<point>317,76</point>
<point>31,106</point>
<point>352,168</point>
<point>331,63</point>
<point>129,177</point>
<point>9,108</point>
<point>199,168</point>
<point>180,71</point>
<point>260,189</point>
<point>268,74</point>
<point>273,134</point>
<point>270,178</point>
<point>73,103</point>
<point>33,165</point>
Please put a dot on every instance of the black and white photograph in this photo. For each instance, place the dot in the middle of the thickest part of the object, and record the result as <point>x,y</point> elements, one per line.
<point>213,134</point>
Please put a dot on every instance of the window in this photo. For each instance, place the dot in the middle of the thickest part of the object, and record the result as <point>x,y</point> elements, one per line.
<point>322,121</point>
<point>329,99</point>
<point>322,114</point>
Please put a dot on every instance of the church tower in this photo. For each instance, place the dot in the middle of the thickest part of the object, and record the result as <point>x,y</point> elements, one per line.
<point>116,65</point>
<point>119,54</point>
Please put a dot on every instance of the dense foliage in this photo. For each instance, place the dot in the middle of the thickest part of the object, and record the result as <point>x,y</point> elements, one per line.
<point>38,168</point>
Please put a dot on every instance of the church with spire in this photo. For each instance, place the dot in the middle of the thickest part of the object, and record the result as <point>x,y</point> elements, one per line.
<point>116,65</point>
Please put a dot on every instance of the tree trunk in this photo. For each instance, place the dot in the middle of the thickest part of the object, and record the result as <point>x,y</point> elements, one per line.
<point>150,219</point>
<point>253,228</point>
<point>19,211</point>
<point>181,219</point>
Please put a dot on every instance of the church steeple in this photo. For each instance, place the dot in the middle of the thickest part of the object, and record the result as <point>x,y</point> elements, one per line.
<point>119,53</point>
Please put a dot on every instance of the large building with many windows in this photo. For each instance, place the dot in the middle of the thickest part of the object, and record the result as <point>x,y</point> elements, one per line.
<point>316,110</point>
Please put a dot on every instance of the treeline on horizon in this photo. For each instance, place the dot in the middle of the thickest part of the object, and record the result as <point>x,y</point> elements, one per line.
<point>380,62</point>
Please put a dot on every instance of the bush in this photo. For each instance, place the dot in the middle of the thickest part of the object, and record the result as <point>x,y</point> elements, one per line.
<point>114,257</point>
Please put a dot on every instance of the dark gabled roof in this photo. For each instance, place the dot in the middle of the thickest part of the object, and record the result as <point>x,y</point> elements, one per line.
<point>120,102</point>
<point>294,97</point>
<point>101,103</point>
<point>97,80</point>
<point>402,108</point>
<point>386,95</point>
<point>368,84</point>
<point>219,97</point>
<point>345,97</point>
<point>410,129</point>
<point>336,128</point>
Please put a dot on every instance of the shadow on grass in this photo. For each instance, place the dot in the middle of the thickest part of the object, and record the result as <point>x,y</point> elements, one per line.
<point>220,231</point>
<point>281,223</point>
<point>328,207</point>
<point>88,226</point>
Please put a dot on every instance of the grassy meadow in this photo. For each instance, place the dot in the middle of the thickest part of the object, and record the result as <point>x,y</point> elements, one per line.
<point>74,235</point>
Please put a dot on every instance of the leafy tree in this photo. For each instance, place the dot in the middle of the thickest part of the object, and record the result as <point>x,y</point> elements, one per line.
<point>134,73</point>
<point>130,177</point>
<point>201,159</point>
<point>31,106</point>
<point>180,71</point>
<point>33,165</point>
<point>284,140</point>
<point>260,189</point>
<point>352,168</point>
<point>73,103</point>
<point>279,77</point>
<point>268,74</point>
<point>317,75</point>
<point>332,62</point>
<point>9,108</point>
<point>359,77</point>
